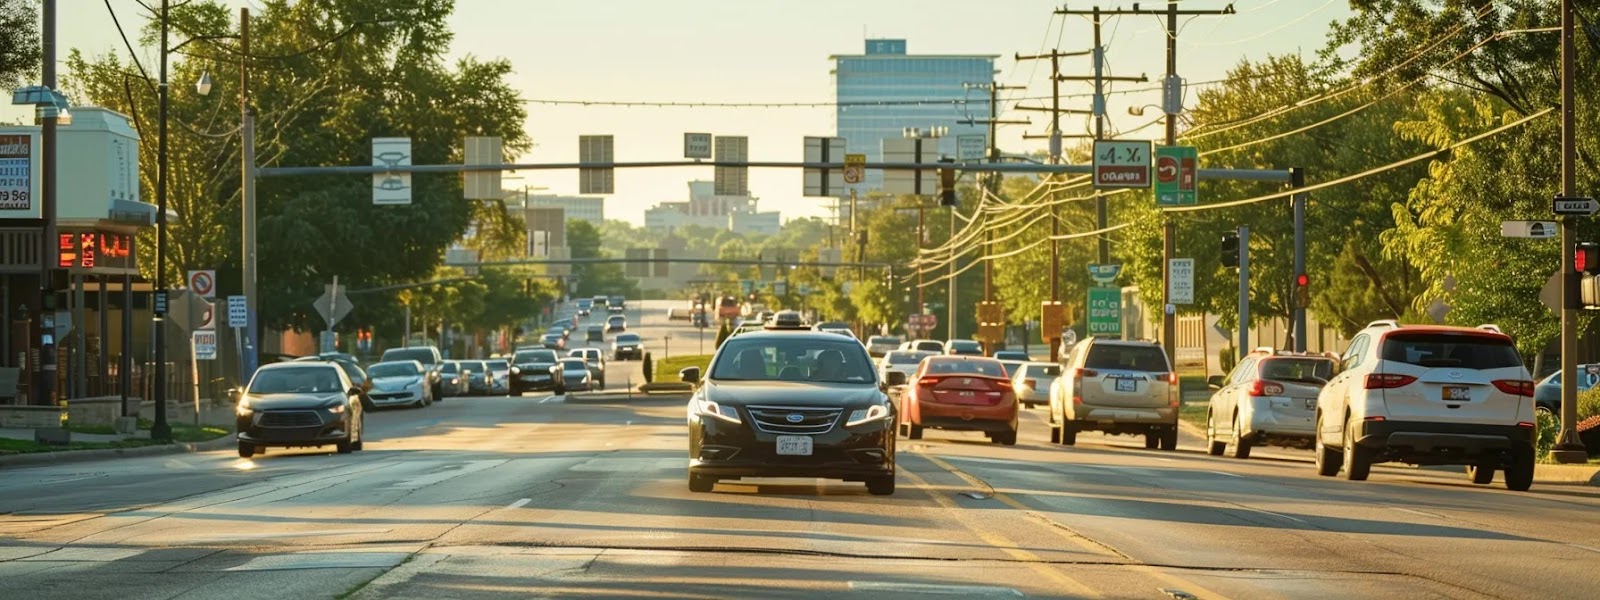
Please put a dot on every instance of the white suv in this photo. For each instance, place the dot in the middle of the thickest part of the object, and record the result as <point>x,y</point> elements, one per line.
<point>1115,386</point>
<point>1429,395</point>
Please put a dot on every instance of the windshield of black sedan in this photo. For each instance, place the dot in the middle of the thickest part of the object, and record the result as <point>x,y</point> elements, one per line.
<point>774,358</point>
<point>535,356</point>
<point>627,338</point>
<point>296,380</point>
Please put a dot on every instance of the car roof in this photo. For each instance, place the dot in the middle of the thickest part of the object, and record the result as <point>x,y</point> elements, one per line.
<point>1114,342</point>
<point>791,333</point>
<point>1445,329</point>
<point>958,357</point>
<point>296,364</point>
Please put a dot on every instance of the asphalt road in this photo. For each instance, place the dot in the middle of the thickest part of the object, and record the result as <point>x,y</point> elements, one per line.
<point>585,496</point>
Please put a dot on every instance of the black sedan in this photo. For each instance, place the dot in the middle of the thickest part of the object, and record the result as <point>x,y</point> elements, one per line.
<point>535,370</point>
<point>299,404</point>
<point>791,403</point>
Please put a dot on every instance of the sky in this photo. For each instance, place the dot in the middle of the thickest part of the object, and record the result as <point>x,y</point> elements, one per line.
<point>777,51</point>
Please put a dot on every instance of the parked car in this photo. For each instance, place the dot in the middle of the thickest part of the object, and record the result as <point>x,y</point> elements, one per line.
<point>787,402</point>
<point>903,361</point>
<point>934,346</point>
<point>534,370</point>
<point>1269,398</point>
<point>500,370</point>
<point>963,348</point>
<point>352,369</point>
<point>616,323</point>
<point>879,345</point>
<point>1032,381</point>
<point>1118,387</point>
<point>595,333</point>
<point>1547,394</point>
<point>480,380</point>
<point>575,375</point>
<point>1429,395</point>
<point>400,383</point>
<point>1012,359</point>
<point>597,363</point>
<point>455,378</point>
<point>627,345</point>
<point>299,404</point>
<point>599,302</point>
<point>431,360</point>
<point>960,393</point>
<point>553,341</point>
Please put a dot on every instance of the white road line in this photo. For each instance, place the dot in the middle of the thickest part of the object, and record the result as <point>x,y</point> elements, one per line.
<point>943,590</point>
<point>1268,512</point>
<point>1417,512</point>
<point>1227,473</point>
<point>1165,459</point>
<point>1583,547</point>
<point>520,503</point>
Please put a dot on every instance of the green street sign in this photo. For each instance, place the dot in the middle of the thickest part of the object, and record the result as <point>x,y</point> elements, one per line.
<point>1105,312</point>
<point>1177,171</point>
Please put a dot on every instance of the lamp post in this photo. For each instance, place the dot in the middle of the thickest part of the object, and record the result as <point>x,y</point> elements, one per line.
<point>51,106</point>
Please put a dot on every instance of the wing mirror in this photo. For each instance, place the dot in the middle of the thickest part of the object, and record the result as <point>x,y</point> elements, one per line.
<point>234,394</point>
<point>689,375</point>
<point>895,378</point>
<point>1215,382</point>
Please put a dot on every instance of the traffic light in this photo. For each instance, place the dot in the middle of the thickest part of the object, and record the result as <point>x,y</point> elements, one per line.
<point>1585,264</point>
<point>1230,250</point>
<point>1302,290</point>
<point>947,185</point>
<point>1586,258</point>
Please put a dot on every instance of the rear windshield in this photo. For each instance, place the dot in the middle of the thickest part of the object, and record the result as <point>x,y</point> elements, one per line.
<point>399,369</point>
<point>1149,359</point>
<point>1444,350</point>
<point>932,346</point>
<point>573,364</point>
<point>627,338</point>
<point>965,345</point>
<point>1042,370</point>
<point>905,358</point>
<point>991,368</point>
<point>878,339</point>
<point>1308,370</point>
<point>421,355</point>
<point>1012,356</point>
<point>448,367</point>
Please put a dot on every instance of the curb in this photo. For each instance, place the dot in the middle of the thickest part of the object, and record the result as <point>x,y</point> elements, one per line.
<point>72,456</point>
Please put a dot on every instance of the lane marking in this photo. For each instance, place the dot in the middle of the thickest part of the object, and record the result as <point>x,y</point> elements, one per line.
<point>323,560</point>
<point>943,590</point>
<point>520,503</point>
<point>1227,473</point>
<point>1071,535</point>
<point>1583,547</point>
<point>1033,561</point>
<point>1268,512</point>
<point>1165,459</point>
<point>1417,512</point>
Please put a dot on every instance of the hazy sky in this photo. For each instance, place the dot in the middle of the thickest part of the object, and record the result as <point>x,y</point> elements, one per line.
<point>777,51</point>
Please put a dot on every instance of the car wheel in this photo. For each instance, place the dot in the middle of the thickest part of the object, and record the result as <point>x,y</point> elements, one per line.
<point>1481,474</point>
<point>1169,439</point>
<point>1214,447</point>
<point>1004,438</point>
<point>559,391</point>
<point>1328,459</point>
<point>516,393</point>
<point>1357,460</point>
<point>246,450</point>
<point>1151,440</point>
<point>700,483</point>
<point>1241,444</point>
<point>915,433</point>
<point>1519,468</point>
<point>881,486</point>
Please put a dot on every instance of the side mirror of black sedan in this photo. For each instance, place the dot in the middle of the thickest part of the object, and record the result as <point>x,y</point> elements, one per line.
<point>895,378</point>
<point>689,375</point>
<point>1215,382</point>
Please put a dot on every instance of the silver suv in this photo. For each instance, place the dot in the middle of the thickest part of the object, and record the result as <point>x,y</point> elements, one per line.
<point>1115,386</point>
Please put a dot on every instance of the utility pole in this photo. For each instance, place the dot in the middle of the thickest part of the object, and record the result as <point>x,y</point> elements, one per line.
<point>991,181</point>
<point>921,208</point>
<point>161,430</point>
<point>1050,337</point>
<point>44,377</point>
<point>1173,107</point>
<point>1569,447</point>
<point>247,193</point>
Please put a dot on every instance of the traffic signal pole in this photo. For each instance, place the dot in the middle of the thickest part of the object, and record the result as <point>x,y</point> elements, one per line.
<point>1297,179</point>
<point>1569,447</point>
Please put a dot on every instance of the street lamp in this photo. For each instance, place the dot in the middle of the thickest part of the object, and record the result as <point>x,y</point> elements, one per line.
<point>52,108</point>
<point>203,87</point>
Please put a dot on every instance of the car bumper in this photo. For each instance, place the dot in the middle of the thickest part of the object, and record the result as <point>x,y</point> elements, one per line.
<point>1092,414</point>
<point>626,352</point>
<point>1423,442</point>
<point>729,451</point>
<point>535,383</point>
<point>967,417</point>
<point>1035,397</point>
<point>330,431</point>
<point>400,398</point>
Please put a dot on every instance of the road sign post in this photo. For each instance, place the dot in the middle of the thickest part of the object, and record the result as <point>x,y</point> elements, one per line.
<point>1177,171</point>
<point>203,283</point>
<point>697,145</point>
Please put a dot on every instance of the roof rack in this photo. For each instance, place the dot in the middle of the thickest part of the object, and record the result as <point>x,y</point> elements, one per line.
<point>1391,323</point>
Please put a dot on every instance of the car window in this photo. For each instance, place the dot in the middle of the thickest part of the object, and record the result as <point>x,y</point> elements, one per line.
<point>1041,370</point>
<point>627,338</point>
<point>499,365</point>
<point>905,358</point>
<point>1243,372</point>
<point>393,369</point>
<point>1149,359</point>
<point>989,367</point>
<point>1308,370</point>
<point>421,355</point>
<point>297,380</point>
<point>771,358</point>
<point>574,364</point>
<point>1352,356</point>
<point>449,367</point>
<point>534,356</point>
<point>1450,350</point>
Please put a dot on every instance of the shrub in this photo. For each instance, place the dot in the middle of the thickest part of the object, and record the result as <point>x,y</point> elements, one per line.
<point>1549,429</point>
<point>1589,403</point>
<point>722,333</point>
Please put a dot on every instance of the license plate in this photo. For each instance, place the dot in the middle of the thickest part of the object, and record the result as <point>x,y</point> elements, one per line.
<point>1127,385</point>
<point>1456,393</point>
<point>794,445</point>
<point>966,393</point>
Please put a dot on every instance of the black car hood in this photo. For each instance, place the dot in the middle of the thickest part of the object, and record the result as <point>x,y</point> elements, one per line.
<point>288,401</point>
<point>540,367</point>
<point>792,393</point>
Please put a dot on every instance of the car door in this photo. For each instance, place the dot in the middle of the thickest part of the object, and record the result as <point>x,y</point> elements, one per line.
<point>1226,400</point>
<point>1335,396</point>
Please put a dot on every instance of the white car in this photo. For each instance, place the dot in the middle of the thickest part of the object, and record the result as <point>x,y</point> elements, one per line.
<point>1119,387</point>
<point>399,383</point>
<point>1429,395</point>
<point>879,345</point>
<point>904,361</point>
<point>1032,382</point>
<point>1269,398</point>
<point>934,346</point>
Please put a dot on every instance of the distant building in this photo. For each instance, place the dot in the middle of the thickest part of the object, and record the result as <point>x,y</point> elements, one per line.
<point>707,209</point>
<point>588,208</point>
<point>886,73</point>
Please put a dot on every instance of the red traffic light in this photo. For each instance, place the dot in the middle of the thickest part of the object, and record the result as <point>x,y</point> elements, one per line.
<point>1302,280</point>
<point>1586,257</point>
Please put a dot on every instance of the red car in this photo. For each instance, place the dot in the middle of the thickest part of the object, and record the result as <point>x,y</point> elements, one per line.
<point>960,393</point>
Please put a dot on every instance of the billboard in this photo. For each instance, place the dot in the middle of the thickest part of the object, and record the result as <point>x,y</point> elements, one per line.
<point>19,183</point>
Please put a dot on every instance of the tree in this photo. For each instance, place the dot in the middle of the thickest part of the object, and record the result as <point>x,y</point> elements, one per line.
<point>595,279</point>
<point>19,43</point>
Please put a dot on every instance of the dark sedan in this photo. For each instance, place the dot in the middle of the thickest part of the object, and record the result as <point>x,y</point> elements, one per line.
<point>1547,395</point>
<point>534,370</point>
<point>299,404</point>
<point>791,403</point>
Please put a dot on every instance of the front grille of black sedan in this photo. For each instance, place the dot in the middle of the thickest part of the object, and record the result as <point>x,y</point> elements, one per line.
<point>811,421</point>
<point>290,418</point>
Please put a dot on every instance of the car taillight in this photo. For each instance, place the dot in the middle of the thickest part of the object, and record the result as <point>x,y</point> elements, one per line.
<point>1082,373</point>
<point>1002,383</point>
<point>1262,387</point>
<point>1172,378</point>
<point>1384,381</point>
<point>1515,387</point>
<point>929,381</point>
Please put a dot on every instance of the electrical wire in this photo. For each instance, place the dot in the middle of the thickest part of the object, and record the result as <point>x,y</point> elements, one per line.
<point>129,45</point>
<point>1268,32</point>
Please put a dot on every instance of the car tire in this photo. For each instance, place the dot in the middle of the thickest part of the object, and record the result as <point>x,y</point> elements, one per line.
<point>1481,474</point>
<point>1069,436</point>
<point>881,486</point>
<point>1519,468</point>
<point>1151,440</point>
<point>1216,447</point>
<point>1004,438</point>
<point>1055,433</point>
<point>246,450</point>
<point>1169,439</point>
<point>1241,444</point>
<point>1328,458</point>
<point>700,484</point>
<point>1357,460</point>
<point>915,432</point>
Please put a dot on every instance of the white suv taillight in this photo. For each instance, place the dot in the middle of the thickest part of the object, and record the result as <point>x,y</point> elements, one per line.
<point>1263,387</point>
<point>1515,387</point>
<point>1386,381</point>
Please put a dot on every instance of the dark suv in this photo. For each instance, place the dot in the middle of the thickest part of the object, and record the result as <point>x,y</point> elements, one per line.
<point>534,370</point>
<point>781,403</point>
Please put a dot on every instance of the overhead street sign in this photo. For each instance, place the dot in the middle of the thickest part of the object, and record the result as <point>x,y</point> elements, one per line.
<point>482,185</point>
<point>697,145</point>
<point>1121,164</point>
<point>391,188</point>
<point>1177,172</point>
<point>1180,289</point>
<point>1537,230</point>
<point>732,181</point>
<point>597,149</point>
<point>824,182</point>
<point>972,146</point>
<point>1575,206</point>
<point>920,182</point>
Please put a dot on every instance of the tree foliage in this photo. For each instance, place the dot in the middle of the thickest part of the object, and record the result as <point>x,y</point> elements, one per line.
<point>19,42</point>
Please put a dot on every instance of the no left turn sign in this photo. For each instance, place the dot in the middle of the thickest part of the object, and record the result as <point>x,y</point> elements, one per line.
<point>203,283</point>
